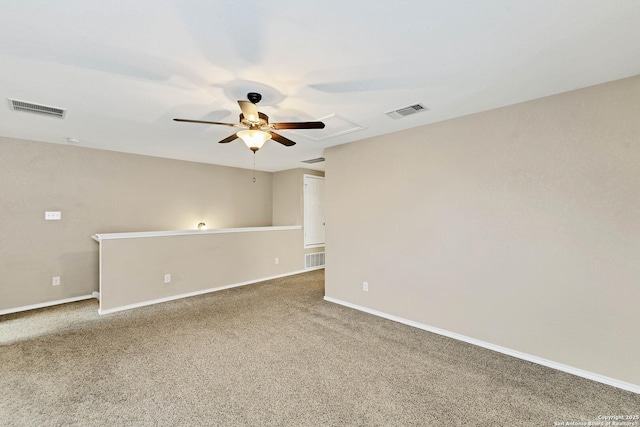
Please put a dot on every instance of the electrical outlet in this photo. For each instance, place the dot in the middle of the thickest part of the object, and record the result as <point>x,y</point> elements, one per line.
<point>55,281</point>
<point>365,286</point>
<point>167,278</point>
<point>277,261</point>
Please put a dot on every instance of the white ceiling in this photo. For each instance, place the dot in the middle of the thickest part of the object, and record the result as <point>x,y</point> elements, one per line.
<point>124,69</point>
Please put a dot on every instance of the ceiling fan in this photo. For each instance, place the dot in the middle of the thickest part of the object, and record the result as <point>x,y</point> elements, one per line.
<point>256,129</point>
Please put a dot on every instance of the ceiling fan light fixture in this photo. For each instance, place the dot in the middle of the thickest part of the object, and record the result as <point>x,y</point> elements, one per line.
<point>254,139</point>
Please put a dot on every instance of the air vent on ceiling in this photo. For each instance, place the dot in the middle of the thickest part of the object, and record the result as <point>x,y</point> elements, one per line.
<point>30,107</point>
<point>406,111</point>
<point>317,160</point>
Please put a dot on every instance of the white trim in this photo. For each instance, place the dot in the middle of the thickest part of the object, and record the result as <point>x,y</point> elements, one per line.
<point>133,235</point>
<point>194,293</point>
<point>315,245</point>
<point>524,356</point>
<point>99,271</point>
<point>45,304</point>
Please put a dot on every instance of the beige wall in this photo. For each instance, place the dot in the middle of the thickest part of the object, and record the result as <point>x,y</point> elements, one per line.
<point>133,269</point>
<point>288,196</point>
<point>519,227</point>
<point>287,204</point>
<point>103,192</point>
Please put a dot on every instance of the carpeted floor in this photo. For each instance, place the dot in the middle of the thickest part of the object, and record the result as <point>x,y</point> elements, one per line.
<point>272,353</point>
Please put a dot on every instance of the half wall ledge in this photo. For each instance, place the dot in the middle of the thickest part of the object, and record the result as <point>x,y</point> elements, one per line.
<point>137,234</point>
<point>142,268</point>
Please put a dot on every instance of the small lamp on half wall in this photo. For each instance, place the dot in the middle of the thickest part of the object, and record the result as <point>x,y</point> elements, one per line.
<point>202,226</point>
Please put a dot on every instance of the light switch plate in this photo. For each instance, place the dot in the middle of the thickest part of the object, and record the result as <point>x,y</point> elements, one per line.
<point>52,215</point>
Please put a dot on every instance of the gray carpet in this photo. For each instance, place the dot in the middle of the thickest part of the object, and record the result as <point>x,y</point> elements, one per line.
<point>272,353</point>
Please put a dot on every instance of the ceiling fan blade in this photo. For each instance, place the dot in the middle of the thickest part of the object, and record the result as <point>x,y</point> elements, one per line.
<point>249,110</point>
<point>297,125</point>
<point>206,122</point>
<point>281,139</point>
<point>228,139</point>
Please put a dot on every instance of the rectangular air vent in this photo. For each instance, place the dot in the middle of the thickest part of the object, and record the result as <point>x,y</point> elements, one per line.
<point>406,111</point>
<point>30,107</point>
<point>314,260</point>
<point>318,160</point>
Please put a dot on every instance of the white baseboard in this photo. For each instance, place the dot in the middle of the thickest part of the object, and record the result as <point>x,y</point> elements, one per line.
<point>45,304</point>
<point>194,293</point>
<point>524,356</point>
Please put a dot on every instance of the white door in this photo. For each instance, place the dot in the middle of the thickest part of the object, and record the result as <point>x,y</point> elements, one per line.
<point>313,211</point>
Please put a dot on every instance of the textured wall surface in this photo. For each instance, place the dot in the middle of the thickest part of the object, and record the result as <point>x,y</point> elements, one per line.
<point>518,226</point>
<point>103,192</point>
<point>133,269</point>
<point>288,196</point>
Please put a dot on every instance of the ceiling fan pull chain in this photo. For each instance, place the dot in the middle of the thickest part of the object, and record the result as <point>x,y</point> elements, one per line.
<point>254,166</point>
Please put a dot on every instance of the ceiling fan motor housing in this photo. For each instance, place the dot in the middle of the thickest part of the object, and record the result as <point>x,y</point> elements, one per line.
<point>263,121</point>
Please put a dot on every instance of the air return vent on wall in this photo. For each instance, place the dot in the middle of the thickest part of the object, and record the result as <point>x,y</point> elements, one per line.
<point>314,260</point>
<point>30,107</point>
<point>406,111</point>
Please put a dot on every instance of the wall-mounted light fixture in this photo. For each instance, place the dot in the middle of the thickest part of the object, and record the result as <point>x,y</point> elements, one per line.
<point>202,226</point>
